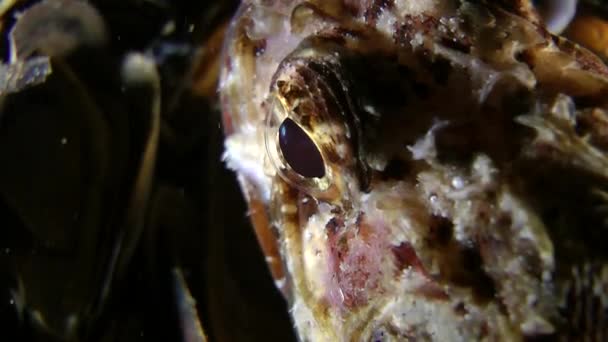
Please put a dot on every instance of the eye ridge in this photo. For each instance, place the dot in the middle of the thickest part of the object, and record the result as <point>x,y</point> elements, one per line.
<point>300,151</point>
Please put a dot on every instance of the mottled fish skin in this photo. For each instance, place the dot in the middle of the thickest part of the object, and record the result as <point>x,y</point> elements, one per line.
<point>466,177</point>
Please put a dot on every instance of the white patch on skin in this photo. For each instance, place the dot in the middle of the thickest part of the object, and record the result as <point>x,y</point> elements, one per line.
<point>279,43</point>
<point>465,197</point>
<point>437,319</point>
<point>279,283</point>
<point>528,226</point>
<point>386,23</point>
<point>428,7</point>
<point>305,322</point>
<point>244,153</point>
<point>483,170</point>
<point>341,150</point>
<point>458,182</point>
<point>485,75</point>
<point>407,313</point>
<point>424,148</point>
<point>316,255</point>
<point>417,41</point>
<point>393,205</point>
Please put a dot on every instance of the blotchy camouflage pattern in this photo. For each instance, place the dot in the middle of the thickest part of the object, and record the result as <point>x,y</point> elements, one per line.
<point>464,195</point>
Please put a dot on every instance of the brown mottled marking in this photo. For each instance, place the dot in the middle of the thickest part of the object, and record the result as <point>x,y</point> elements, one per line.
<point>334,224</point>
<point>595,123</point>
<point>406,30</point>
<point>584,309</point>
<point>304,13</point>
<point>349,33</point>
<point>266,238</point>
<point>463,45</point>
<point>342,105</point>
<point>355,7</point>
<point>375,9</point>
<point>432,290</point>
<point>440,229</point>
<point>405,256</point>
<point>339,35</point>
<point>485,330</point>
<point>524,8</point>
<point>568,82</point>
<point>461,309</point>
<point>587,60</point>
<point>332,155</point>
<point>307,206</point>
<point>292,92</point>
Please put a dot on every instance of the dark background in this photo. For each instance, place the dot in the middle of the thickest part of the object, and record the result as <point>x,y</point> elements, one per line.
<point>64,205</point>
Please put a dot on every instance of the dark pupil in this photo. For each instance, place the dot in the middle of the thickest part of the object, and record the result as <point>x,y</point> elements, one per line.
<point>300,151</point>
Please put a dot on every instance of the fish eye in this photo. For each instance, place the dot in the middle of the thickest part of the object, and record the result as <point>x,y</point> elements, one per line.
<point>309,139</point>
<point>299,151</point>
<point>294,152</point>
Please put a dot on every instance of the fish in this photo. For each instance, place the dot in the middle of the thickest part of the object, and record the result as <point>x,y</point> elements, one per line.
<point>424,170</point>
